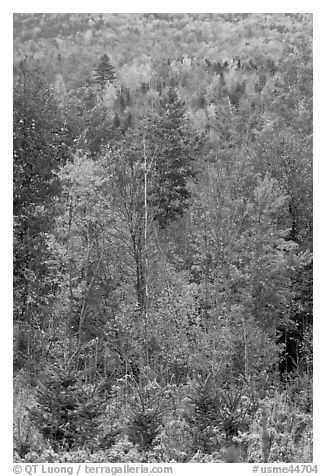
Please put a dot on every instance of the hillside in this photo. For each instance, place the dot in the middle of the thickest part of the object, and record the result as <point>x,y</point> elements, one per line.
<point>163,237</point>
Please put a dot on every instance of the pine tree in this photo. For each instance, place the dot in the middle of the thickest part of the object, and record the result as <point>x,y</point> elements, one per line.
<point>65,413</point>
<point>104,73</point>
<point>172,160</point>
<point>40,145</point>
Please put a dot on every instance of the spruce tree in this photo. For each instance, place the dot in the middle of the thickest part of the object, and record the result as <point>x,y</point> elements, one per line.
<point>172,160</point>
<point>40,145</point>
<point>104,73</point>
<point>66,413</point>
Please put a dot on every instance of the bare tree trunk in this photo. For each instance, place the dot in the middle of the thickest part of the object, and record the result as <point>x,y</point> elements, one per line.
<point>71,296</point>
<point>146,257</point>
<point>246,358</point>
<point>265,436</point>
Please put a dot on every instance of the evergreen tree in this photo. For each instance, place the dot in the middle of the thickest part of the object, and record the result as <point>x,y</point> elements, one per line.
<point>40,145</point>
<point>172,160</point>
<point>65,413</point>
<point>104,72</point>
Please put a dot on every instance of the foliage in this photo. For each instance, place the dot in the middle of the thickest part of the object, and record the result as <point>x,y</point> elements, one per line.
<point>289,436</point>
<point>163,237</point>
<point>104,72</point>
<point>172,156</point>
<point>148,403</point>
<point>174,443</point>
<point>64,412</point>
<point>217,416</point>
<point>26,438</point>
<point>122,452</point>
<point>277,431</point>
<point>40,146</point>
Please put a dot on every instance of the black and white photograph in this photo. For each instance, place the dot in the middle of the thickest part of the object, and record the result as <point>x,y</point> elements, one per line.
<point>162,241</point>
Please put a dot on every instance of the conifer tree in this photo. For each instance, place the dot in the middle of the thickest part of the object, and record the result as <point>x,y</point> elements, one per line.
<point>172,160</point>
<point>40,144</point>
<point>64,412</point>
<point>104,73</point>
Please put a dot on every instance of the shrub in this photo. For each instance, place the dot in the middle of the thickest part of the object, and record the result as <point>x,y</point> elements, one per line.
<point>26,438</point>
<point>121,452</point>
<point>299,388</point>
<point>174,443</point>
<point>288,434</point>
<point>201,457</point>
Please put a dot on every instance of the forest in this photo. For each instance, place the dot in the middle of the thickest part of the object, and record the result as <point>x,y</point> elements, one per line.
<point>162,234</point>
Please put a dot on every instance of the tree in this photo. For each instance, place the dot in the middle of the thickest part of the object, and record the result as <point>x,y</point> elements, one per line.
<point>104,72</point>
<point>86,245</point>
<point>242,262</point>
<point>40,146</point>
<point>173,157</point>
<point>91,118</point>
<point>65,413</point>
<point>129,181</point>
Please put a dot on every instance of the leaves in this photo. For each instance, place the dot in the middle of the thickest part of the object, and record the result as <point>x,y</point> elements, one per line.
<point>163,230</point>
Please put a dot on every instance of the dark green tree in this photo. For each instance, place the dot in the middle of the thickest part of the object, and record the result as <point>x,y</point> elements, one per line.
<point>104,73</point>
<point>65,413</point>
<point>40,145</point>
<point>172,160</point>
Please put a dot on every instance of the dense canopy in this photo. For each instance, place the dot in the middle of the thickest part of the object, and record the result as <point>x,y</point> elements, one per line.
<point>163,237</point>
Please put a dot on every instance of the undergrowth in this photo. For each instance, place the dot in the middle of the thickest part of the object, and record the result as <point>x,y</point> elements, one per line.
<point>158,421</point>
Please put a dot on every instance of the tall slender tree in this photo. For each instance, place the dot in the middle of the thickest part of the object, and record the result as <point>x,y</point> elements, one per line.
<point>104,72</point>
<point>173,157</point>
<point>40,146</point>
